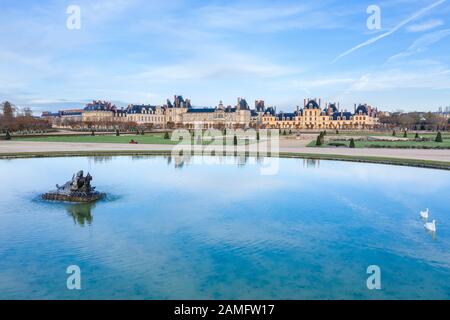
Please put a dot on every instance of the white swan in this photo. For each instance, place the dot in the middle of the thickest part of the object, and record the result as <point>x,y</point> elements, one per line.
<point>430,226</point>
<point>424,214</point>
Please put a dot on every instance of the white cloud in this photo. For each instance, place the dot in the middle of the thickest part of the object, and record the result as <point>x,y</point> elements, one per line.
<point>438,78</point>
<point>392,31</point>
<point>425,26</point>
<point>422,44</point>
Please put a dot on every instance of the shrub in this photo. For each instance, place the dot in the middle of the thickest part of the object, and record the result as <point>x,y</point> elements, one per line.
<point>352,143</point>
<point>166,135</point>
<point>8,135</point>
<point>142,132</point>
<point>394,133</point>
<point>284,132</point>
<point>235,141</point>
<point>117,133</point>
<point>319,140</point>
<point>405,134</point>
<point>438,137</point>
<point>92,133</point>
<point>257,136</point>
<point>417,136</point>
<point>337,131</point>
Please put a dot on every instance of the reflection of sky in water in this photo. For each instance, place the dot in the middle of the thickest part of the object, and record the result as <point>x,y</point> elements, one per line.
<point>224,231</point>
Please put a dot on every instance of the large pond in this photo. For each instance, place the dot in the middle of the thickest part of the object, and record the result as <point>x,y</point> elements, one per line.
<point>169,230</point>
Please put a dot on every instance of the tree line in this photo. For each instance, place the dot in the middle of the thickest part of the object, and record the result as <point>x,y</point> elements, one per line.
<point>14,120</point>
<point>415,121</point>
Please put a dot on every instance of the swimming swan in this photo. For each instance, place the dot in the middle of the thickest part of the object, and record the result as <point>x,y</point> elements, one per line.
<point>424,214</point>
<point>430,226</point>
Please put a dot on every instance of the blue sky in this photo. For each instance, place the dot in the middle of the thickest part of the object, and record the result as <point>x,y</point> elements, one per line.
<point>144,51</point>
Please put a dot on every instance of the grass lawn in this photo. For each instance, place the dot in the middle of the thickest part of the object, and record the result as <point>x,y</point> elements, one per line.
<point>153,138</point>
<point>390,144</point>
<point>399,134</point>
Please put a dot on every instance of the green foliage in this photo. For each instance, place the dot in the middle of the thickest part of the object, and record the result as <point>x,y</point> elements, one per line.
<point>8,135</point>
<point>394,133</point>
<point>166,135</point>
<point>405,134</point>
<point>92,133</point>
<point>417,136</point>
<point>235,141</point>
<point>337,131</point>
<point>284,133</point>
<point>117,132</point>
<point>319,140</point>
<point>257,135</point>
<point>438,137</point>
<point>142,132</point>
<point>352,143</point>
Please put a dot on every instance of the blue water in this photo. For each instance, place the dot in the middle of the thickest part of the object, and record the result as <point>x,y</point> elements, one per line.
<point>224,231</point>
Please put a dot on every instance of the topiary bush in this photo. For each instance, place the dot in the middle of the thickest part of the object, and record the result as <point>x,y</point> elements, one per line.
<point>438,137</point>
<point>352,143</point>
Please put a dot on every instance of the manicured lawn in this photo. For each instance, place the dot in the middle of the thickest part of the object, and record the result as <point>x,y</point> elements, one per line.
<point>399,134</point>
<point>154,138</point>
<point>390,144</point>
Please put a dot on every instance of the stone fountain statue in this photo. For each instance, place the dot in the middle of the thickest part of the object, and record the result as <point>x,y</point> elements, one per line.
<point>78,189</point>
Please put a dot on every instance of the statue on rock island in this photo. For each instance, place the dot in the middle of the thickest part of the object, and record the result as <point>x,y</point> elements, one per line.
<point>78,189</point>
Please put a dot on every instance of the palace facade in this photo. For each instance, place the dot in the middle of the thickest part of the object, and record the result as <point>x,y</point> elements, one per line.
<point>180,114</point>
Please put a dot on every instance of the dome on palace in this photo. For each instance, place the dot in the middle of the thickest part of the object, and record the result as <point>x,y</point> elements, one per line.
<point>312,104</point>
<point>362,109</point>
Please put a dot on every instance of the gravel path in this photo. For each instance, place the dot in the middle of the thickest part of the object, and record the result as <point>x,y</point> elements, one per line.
<point>286,146</point>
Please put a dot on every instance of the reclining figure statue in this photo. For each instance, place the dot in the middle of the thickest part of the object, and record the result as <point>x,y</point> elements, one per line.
<point>79,183</point>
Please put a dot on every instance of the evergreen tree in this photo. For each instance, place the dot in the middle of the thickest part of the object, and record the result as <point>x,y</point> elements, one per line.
<point>8,135</point>
<point>417,135</point>
<point>117,132</point>
<point>439,137</point>
<point>319,140</point>
<point>142,132</point>
<point>337,131</point>
<point>352,143</point>
<point>405,134</point>
<point>92,133</point>
<point>394,133</point>
<point>166,135</point>
<point>235,141</point>
<point>257,135</point>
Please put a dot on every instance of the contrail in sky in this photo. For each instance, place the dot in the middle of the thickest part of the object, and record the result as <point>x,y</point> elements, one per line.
<point>396,28</point>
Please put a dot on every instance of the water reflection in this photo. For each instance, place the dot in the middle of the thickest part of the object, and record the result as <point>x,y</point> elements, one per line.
<point>311,163</point>
<point>185,159</point>
<point>81,213</point>
<point>100,159</point>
